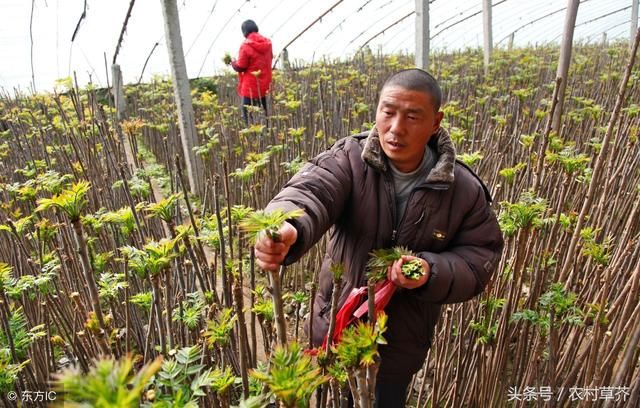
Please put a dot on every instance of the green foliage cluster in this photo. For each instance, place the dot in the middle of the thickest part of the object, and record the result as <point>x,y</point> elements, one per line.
<point>70,201</point>
<point>470,159</point>
<point>526,214</point>
<point>21,335</point>
<point>358,346</point>
<point>190,310</point>
<point>486,327</point>
<point>263,306</point>
<point>165,208</point>
<point>218,331</point>
<point>599,252</point>
<point>570,161</point>
<point>31,285</point>
<point>292,377</point>
<point>109,383</point>
<point>110,284</point>
<point>153,259</point>
<point>137,184</point>
<point>123,218</point>
<point>557,301</point>
<point>257,162</point>
<point>181,380</point>
<point>509,173</point>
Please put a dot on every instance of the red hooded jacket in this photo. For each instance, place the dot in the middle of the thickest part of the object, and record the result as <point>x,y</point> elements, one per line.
<point>255,55</point>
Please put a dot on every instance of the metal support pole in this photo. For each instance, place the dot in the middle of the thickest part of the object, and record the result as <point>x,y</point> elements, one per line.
<point>182,95</point>
<point>565,58</point>
<point>118,91</point>
<point>422,34</point>
<point>488,35</point>
<point>634,22</point>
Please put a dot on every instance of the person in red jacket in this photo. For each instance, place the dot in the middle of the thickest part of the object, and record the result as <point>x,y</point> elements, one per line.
<point>254,68</point>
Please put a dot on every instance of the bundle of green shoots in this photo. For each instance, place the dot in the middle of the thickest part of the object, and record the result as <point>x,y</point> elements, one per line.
<point>381,259</point>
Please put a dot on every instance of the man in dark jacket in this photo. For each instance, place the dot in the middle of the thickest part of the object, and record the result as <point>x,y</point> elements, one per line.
<point>397,185</point>
<point>254,68</point>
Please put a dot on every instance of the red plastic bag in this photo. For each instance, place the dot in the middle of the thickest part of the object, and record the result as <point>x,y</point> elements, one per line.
<point>383,292</point>
<point>356,306</point>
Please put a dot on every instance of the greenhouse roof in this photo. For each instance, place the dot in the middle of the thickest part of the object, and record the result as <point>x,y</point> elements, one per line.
<point>209,29</point>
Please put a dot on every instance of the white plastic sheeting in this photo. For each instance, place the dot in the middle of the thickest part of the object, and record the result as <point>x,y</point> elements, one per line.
<point>211,28</point>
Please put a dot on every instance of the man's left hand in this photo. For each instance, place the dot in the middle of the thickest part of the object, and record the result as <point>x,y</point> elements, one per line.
<point>395,275</point>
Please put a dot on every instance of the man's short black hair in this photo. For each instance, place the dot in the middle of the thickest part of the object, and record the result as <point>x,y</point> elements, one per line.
<point>248,27</point>
<point>416,79</point>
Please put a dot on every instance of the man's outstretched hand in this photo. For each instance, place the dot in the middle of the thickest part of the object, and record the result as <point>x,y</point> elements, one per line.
<point>269,253</point>
<point>395,275</point>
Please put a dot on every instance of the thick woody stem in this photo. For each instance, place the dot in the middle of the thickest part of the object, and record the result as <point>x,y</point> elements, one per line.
<point>372,373</point>
<point>335,296</point>
<point>244,353</point>
<point>91,282</point>
<point>353,385</point>
<point>276,295</point>
<point>371,302</point>
<point>363,389</point>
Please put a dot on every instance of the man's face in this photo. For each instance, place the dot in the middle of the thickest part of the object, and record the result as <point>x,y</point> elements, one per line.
<point>405,120</point>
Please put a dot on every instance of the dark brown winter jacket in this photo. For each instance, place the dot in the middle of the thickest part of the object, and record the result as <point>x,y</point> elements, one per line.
<point>448,221</point>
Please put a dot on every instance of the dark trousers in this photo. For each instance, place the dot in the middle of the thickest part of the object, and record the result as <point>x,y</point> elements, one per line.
<point>388,394</point>
<point>246,101</point>
<point>391,395</point>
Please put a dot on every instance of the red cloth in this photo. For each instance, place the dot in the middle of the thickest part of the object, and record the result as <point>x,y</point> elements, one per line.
<point>255,55</point>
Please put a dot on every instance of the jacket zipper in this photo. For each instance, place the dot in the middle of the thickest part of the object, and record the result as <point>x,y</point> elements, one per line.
<point>394,233</point>
<point>324,309</point>
<point>397,227</point>
<point>392,198</point>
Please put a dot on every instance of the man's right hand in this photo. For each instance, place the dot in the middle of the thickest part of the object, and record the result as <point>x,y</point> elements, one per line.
<point>269,253</point>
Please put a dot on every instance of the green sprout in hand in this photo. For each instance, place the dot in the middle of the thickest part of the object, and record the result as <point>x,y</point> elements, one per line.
<point>270,223</point>
<point>413,269</point>
<point>227,58</point>
<point>382,258</point>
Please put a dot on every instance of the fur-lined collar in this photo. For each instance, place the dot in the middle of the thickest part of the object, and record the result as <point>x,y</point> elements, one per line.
<point>442,172</point>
